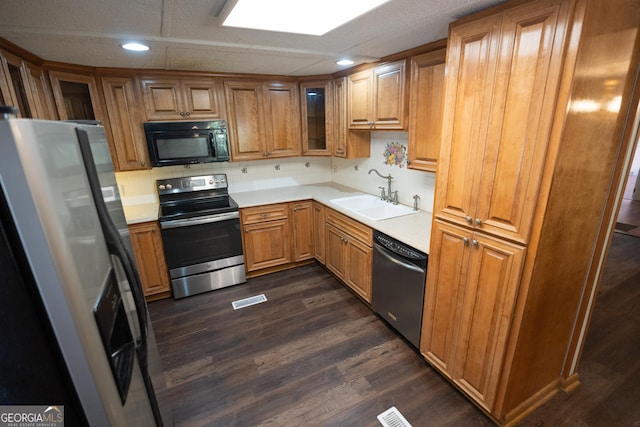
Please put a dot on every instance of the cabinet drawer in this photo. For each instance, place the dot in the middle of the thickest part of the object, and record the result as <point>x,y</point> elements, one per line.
<point>264,213</point>
<point>352,227</point>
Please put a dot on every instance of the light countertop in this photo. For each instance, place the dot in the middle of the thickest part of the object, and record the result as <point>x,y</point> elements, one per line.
<point>413,229</point>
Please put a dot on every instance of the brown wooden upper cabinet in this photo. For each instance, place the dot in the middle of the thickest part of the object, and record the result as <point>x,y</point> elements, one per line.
<point>425,109</point>
<point>24,86</point>
<point>317,118</point>
<point>182,99</point>
<point>76,96</point>
<point>376,98</point>
<point>263,119</point>
<point>346,144</point>
<point>124,109</point>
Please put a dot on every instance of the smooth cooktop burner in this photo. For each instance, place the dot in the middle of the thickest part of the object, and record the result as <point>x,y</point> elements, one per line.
<point>197,207</point>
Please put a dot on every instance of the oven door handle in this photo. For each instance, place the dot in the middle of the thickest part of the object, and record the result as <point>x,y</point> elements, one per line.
<point>176,223</point>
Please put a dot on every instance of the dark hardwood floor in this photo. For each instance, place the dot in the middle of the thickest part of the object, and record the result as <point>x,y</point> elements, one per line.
<point>314,354</point>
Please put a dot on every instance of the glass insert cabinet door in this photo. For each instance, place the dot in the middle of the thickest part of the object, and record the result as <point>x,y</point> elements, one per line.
<point>317,119</point>
<point>76,96</point>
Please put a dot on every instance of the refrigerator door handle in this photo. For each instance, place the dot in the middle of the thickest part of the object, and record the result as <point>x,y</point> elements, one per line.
<point>112,236</point>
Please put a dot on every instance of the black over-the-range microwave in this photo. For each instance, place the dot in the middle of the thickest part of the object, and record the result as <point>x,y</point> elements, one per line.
<point>184,143</point>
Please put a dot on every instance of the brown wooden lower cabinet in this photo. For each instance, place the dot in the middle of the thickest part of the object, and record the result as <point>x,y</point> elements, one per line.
<point>302,230</point>
<point>469,302</point>
<point>349,252</point>
<point>149,253</point>
<point>267,244</point>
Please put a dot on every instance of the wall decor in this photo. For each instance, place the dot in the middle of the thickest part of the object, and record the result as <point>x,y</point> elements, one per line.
<point>395,154</point>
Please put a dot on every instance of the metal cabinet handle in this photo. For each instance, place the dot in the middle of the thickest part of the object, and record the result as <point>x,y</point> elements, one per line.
<point>465,240</point>
<point>474,242</point>
<point>265,215</point>
<point>182,113</point>
<point>478,221</point>
<point>188,113</point>
<point>468,219</point>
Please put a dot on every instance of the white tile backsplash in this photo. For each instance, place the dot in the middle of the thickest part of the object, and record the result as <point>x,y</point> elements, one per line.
<point>138,187</point>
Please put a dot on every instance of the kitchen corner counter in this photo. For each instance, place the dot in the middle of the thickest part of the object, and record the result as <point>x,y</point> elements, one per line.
<point>140,213</point>
<point>413,229</point>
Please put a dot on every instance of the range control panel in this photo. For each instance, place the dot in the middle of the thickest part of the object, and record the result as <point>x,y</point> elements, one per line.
<point>191,183</point>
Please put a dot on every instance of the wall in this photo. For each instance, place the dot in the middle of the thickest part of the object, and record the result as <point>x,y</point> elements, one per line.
<point>138,187</point>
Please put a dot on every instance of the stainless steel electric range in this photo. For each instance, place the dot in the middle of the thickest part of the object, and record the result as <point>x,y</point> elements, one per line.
<point>200,226</point>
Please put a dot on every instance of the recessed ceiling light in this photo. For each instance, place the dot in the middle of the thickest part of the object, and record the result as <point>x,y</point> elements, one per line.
<point>136,47</point>
<point>295,16</point>
<point>344,62</point>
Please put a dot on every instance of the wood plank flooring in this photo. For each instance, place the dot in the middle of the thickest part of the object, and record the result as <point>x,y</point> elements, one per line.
<point>315,355</point>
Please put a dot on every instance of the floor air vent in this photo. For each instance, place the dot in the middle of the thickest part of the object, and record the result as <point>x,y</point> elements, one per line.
<point>242,303</point>
<point>393,418</point>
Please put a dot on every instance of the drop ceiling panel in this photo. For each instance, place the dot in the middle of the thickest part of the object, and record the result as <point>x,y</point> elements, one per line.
<point>187,34</point>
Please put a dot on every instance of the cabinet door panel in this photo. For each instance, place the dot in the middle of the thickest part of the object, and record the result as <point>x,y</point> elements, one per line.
<point>494,273</point>
<point>336,252</point>
<point>527,80</point>
<point>283,112</point>
<point>161,99</point>
<point>125,123</point>
<point>267,244</point>
<point>244,120</point>
<point>389,95</point>
<point>360,100</point>
<point>469,85</point>
<point>302,225</point>
<point>202,99</point>
<point>425,110</point>
<point>340,117</point>
<point>443,295</point>
<point>319,231</point>
<point>149,254</point>
<point>40,95</point>
<point>72,105</point>
<point>358,273</point>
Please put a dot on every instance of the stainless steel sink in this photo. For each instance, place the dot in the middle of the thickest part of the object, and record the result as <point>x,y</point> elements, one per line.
<point>372,207</point>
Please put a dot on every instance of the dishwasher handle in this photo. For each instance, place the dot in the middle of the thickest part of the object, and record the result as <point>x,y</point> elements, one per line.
<point>391,257</point>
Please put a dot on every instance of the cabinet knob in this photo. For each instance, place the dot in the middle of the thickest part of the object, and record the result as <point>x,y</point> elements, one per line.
<point>465,240</point>
<point>468,219</point>
<point>188,113</point>
<point>478,221</point>
<point>182,113</point>
<point>474,242</point>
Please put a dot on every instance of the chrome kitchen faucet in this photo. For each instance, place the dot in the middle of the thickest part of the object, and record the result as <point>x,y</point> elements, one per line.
<point>389,197</point>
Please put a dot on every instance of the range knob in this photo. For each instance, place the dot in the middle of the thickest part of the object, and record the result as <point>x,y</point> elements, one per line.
<point>161,186</point>
<point>210,181</point>
<point>169,186</point>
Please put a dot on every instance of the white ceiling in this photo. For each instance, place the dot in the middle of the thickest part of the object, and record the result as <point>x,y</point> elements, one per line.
<point>188,35</point>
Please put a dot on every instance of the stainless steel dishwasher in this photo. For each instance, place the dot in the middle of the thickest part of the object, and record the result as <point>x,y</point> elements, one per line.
<point>399,273</point>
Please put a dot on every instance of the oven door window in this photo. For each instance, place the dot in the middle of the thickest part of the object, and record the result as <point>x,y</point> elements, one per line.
<point>196,244</point>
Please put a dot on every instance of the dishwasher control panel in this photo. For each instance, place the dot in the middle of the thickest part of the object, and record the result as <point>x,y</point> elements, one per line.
<point>398,247</point>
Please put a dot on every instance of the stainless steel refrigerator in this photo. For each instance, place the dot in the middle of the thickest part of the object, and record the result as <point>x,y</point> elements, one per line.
<point>74,326</point>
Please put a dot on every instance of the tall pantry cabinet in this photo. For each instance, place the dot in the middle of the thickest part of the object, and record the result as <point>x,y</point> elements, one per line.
<point>517,201</point>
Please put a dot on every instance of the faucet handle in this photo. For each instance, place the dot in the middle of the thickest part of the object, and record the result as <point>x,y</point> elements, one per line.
<point>382,194</point>
<point>415,202</point>
<point>395,197</point>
